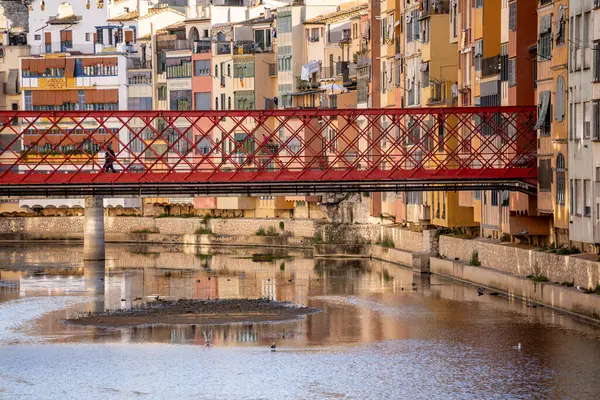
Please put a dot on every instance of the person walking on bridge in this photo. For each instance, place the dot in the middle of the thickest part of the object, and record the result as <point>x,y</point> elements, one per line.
<point>109,159</point>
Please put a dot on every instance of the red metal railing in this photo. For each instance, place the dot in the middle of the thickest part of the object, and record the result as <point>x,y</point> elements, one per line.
<point>300,145</point>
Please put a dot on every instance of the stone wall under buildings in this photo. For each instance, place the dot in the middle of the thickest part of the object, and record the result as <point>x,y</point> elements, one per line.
<point>509,258</point>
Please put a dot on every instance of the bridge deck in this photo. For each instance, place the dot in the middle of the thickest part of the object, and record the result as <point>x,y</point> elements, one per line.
<point>266,152</point>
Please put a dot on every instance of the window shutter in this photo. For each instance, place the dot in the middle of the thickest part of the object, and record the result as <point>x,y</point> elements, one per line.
<point>559,105</point>
<point>596,119</point>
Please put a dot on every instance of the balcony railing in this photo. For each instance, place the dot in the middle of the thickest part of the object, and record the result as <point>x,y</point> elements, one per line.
<point>251,48</point>
<point>57,47</point>
<point>174,44</point>
<point>201,46</point>
<point>222,48</point>
<point>137,63</point>
<point>490,66</point>
<point>340,70</point>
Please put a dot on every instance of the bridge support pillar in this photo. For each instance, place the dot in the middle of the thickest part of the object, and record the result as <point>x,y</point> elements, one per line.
<point>93,229</point>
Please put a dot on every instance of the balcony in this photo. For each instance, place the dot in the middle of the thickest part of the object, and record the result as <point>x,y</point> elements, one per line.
<point>63,47</point>
<point>222,48</point>
<point>250,48</point>
<point>201,46</point>
<point>343,70</point>
<point>175,44</point>
<point>490,66</point>
<point>137,63</point>
<point>346,36</point>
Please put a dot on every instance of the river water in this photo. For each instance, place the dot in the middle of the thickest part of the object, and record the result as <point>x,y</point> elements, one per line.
<point>383,333</point>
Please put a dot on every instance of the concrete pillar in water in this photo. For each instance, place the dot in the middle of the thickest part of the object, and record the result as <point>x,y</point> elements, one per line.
<point>93,229</point>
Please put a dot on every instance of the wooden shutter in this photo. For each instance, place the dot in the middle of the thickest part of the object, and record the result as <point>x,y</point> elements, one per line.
<point>48,37</point>
<point>128,36</point>
<point>70,68</point>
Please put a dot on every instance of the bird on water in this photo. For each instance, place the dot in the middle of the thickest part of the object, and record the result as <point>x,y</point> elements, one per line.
<point>273,346</point>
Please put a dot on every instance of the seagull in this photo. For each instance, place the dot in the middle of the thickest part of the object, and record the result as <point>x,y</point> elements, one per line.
<point>517,347</point>
<point>480,291</point>
<point>273,346</point>
<point>581,289</point>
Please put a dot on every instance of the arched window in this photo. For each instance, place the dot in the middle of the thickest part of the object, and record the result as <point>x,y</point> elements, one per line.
<point>216,103</point>
<point>559,103</point>
<point>560,179</point>
<point>216,71</point>
<point>229,103</point>
<point>193,36</point>
<point>228,69</point>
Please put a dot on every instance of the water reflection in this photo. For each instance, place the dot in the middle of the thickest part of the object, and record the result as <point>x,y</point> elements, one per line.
<point>402,318</point>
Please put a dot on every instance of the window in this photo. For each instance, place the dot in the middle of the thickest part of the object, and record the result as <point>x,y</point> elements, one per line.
<point>162,93</point>
<point>244,100</point>
<point>587,199</point>
<point>216,71</point>
<point>559,101</point>
<point>586,49</point>
<point>202,101</point>
<point>37,37</point>
<point>181,100</point>
<point>28,100</point>
<point>216,103</point>
<point>201,67</point>
<point>88,37</point>
<point>100,35</point>
<point>229,103</point>
<point>139,103</point>
<point>413,198</point>
<point>81,99</point>
<point>596,62</point>
<point>545,46</point>
<point>561,26</point>
<point>512,16</point>
<point>243,70</point>
<point>494,196</point>
<point>478,54</point>
<point>544,119</point>
<point>512,72</point>
<point>587,117</point>
<point>596,120</point>
<point>571,198</point>
<point>545,175</point>
<point>560,179</point>
<point>504,62</point>
<point>229,70</point>
<point>179,67</point>
<point>577,197</point>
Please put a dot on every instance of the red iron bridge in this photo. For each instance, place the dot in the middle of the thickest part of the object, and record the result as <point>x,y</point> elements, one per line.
<point>284,152</point>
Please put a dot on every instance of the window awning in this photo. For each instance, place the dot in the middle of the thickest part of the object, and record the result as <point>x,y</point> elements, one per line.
<point>12,84</point>
<point>544,108</point>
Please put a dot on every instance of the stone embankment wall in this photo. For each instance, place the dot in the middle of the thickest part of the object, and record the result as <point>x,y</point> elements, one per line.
<point>169,226</point>
<point>549,294</point>
<point>509,258</point>
<point>72,227</point>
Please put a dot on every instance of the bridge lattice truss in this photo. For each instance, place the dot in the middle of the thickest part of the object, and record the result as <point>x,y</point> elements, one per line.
<point>295,151</point>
